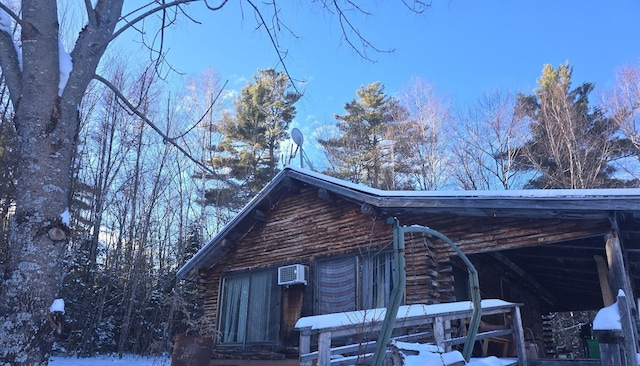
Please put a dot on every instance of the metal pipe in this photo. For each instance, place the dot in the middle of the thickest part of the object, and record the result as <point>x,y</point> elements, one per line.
<point>398,292</point>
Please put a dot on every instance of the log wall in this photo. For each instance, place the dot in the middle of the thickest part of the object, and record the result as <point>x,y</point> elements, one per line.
<point>303,228</point>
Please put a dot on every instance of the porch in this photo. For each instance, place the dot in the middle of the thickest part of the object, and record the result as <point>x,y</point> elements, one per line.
<point>350,338</point>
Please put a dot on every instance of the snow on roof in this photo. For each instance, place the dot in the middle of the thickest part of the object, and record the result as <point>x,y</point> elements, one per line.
<point>499,196</point>
<point>515,193</point>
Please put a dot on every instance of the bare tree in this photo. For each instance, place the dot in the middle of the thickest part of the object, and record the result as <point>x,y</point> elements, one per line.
<point>46,85</point>
<point>623,104</point>
<point>422,139</point>
<point>486,145</point>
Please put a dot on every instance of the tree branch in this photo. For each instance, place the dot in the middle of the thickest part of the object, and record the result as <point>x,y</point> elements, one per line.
<point>204,114</point>
<point>10,65</point>
<point>10,12</point>
<point>146,120</point>
<point>214,8</point>
<point>9,59</point>
<point>142,16</point>
<point>90,46</point>
<point>91,15</point>
<point>348,28</point>
<point>274,43</point>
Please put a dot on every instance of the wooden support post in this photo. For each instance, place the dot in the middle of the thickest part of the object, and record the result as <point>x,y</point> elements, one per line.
<point>618,276</point>
<point>447,333</point>
<point>615,260</point>
<point>438,331</point>
<point>628,326</point>
<point>610,354</point>
<point>518,333</point>
<point>603,276</point>
<point>305,345</point>
<point>324,349</point>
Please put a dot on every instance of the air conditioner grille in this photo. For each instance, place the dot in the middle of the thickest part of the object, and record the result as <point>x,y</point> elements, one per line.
<point>293,274</point>
<point>288,274</point>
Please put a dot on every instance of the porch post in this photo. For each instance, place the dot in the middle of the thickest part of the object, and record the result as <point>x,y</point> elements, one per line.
<point>628,326</point>
<point>324,348</point>
<point>438,331</point>
<point>617,272</point>
<point>518,334</point>
<point>305,345</point>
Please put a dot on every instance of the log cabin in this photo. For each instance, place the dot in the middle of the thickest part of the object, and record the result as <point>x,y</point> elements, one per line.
<point>311,244</point>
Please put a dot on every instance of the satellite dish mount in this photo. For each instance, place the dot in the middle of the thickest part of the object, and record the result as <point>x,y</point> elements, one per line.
<point>297,137</point>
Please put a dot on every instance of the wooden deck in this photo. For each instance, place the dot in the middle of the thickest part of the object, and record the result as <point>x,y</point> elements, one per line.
<point>432,320</point>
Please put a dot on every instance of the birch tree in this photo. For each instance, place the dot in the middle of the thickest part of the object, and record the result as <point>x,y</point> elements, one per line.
<point>422,140</point>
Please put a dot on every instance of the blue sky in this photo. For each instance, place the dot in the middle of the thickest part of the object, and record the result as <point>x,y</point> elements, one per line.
<point>462,48</point>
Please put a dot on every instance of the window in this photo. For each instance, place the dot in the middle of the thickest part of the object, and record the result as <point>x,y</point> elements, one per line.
<point>250,308</point>
<point>378,273</point>
<point>337,285</point>
<point>356,282</point>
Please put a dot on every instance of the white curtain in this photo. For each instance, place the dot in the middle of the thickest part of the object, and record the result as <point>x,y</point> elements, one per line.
<point>235,299</point>
<point>250,308</point>
<point>264,299</point>
<point>383,272</point>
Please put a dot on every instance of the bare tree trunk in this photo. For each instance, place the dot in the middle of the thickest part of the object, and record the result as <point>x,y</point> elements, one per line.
<point>47,122</point>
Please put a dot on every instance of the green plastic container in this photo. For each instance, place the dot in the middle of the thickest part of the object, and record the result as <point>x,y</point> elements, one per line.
<point>594,348</point>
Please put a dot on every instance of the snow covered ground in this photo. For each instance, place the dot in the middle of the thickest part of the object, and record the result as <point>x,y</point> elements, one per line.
<point>165,361</point>
<point>111,361</point>
<point>607,318</point>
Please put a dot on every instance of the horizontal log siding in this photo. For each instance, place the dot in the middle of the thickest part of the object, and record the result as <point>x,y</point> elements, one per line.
<point>302,228</point>
<point>487,234</point>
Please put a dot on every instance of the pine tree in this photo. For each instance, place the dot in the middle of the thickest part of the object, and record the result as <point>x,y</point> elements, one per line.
<point>362,152</point>
<point>571,144</point>
<point>248,155</point>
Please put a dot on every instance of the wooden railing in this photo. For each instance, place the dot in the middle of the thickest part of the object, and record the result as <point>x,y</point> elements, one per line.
<point>424,322</point>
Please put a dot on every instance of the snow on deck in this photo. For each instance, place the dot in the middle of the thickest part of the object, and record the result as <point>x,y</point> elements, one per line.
<point>376,315</point>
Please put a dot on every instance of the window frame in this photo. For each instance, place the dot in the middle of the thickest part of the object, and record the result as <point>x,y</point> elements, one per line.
<point>317,283</point>
<point>364,276</point>
<point>272,307</point>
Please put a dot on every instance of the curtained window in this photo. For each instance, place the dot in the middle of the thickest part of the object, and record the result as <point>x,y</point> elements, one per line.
<point>337,285</point>
<point>378,273</point>
<point>356,282</point>
<point>250,308</point>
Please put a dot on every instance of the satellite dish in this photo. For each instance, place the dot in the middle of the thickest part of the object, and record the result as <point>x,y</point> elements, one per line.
<point>297,137</point>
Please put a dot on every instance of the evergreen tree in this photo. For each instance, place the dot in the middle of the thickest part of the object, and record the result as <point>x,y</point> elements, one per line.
<point>363,152</point>
<point>248,155</point>
<point>571,143</point>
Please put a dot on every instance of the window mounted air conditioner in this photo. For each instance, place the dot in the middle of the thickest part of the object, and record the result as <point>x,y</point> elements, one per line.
<point>293,274</point>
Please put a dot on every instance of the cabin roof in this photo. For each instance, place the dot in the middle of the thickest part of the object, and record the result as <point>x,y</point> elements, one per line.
<point>551,203</point>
